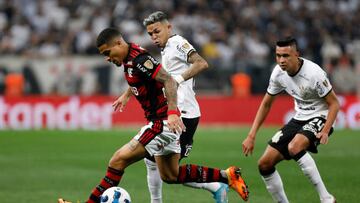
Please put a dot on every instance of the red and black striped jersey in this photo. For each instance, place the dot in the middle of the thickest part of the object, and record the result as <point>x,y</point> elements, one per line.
<point>140,69</point>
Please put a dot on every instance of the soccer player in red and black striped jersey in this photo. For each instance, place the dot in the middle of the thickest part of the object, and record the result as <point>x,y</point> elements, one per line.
<point>156,91</point>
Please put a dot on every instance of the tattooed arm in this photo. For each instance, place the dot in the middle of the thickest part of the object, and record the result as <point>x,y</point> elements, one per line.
<point>198,64</point>
<point>170,85</point>
<point>170,88</point>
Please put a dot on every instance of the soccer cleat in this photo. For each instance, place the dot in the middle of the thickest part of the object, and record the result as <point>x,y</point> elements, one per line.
<point>236,182</point>
<point>220,195</point>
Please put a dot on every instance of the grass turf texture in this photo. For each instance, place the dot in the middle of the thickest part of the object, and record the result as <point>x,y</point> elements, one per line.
<point>40,166</point>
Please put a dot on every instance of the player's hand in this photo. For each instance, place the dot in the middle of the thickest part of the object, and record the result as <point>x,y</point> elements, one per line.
<point>175,124</point>
<point>324,137</point>
<point>120,103</point>
<point>248,145</point>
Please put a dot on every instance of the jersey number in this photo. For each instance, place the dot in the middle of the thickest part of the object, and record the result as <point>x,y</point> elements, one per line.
<point>134,90</point>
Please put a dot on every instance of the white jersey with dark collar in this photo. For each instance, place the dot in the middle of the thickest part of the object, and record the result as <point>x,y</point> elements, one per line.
<point>174,58</point>
<point>308,87</point>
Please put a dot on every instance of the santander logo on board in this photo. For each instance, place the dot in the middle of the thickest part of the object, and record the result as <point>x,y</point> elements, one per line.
<point>68,115</point>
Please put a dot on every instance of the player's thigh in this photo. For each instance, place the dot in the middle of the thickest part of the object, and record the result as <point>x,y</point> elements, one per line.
<point>168,165</point>
<point>310,129</point>
<point>270,158</point>
<point>283,137</point>
<point>131,152</point>
<point>187,137</point>
<point>299,143</point>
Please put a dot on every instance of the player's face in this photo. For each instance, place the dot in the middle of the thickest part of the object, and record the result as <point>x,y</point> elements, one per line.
<point>114,52</point>
<point>287,58</point>
<point>159,33</point>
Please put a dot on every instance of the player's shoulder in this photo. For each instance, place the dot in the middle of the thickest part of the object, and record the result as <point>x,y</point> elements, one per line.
<point>314,69</point>
<point>179,42</point>
<point>311,66</point>
<point>145,60</point>
<point>176,39</point>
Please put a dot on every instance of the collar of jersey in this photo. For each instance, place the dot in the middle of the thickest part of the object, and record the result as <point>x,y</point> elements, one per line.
<point>301,65</point>
<point>167,42</point>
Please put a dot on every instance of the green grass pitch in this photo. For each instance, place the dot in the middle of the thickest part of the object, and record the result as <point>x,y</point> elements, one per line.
<point>40,166</point>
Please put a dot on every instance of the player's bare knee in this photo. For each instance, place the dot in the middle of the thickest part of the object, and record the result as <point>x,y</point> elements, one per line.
<point>265,164</point>
<point>117,162</point>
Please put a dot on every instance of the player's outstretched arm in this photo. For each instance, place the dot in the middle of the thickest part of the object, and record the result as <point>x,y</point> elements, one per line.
<point>198,64</point>
<point>265,106</point>
<point>174,122</point>
<point>120,103</point>
<point>334,106</point>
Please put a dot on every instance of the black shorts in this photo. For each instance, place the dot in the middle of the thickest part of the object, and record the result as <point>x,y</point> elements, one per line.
<point>309,128</point>
<point>186,138</point>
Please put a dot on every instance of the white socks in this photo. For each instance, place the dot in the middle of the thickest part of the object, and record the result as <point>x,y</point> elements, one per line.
<point>308,166</point>
<point>275,187</point>
<point>154,181</point>
<point>211,187</point>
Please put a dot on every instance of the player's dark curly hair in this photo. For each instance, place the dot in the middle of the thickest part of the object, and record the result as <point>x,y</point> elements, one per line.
<point>157,16</point>
<point>288,41</point>
<point>107,35</point>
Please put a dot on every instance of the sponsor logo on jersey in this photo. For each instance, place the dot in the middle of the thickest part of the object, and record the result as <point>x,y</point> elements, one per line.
<point>320,88</point>
<point>183,48</point>
<point>186,46</point>
<point>143,69</point>
<point>149,64</point>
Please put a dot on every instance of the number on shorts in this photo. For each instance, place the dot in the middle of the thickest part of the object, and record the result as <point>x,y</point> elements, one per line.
<point>317,123</point>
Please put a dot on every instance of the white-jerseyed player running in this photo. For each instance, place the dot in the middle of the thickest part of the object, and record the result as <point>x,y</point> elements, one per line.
<point>316,107</point>
<point>182,61</point>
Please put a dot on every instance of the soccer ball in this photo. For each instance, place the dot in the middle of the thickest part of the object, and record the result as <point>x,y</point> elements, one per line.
<point>115,194</point>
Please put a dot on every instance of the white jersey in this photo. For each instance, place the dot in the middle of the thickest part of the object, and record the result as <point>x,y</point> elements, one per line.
<point>174,58</point>
<point>308,88</point>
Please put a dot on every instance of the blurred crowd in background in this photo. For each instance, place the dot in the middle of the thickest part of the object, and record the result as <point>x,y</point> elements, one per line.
<point>236,37</point>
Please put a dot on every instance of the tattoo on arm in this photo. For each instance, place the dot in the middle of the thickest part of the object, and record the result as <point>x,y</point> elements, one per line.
<point>198,64</point>
<point>170,87</point>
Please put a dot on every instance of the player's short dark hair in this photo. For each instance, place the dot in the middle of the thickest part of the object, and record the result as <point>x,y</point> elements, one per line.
<point>157,16</point>
<point>107,35</point>
<point>288,41</point>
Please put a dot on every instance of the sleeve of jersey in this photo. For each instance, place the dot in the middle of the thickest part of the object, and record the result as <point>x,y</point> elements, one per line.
<point>274,87</point>
<point>147,65</point>
<point>184,50</point>
<point>322,85</point>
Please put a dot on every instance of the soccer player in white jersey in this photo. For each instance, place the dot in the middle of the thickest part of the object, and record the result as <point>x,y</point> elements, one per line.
<point>182,61</point>
<point>316,107</point>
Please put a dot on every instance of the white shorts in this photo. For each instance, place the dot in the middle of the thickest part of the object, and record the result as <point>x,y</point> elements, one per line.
<point>158,139</point>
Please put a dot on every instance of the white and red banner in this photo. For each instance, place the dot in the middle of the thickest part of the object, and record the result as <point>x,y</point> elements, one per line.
<point>95,112</point>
